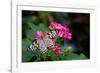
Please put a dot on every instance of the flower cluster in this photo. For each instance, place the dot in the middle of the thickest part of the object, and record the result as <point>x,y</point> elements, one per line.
<point>63,31</point>
<point>45,41</point>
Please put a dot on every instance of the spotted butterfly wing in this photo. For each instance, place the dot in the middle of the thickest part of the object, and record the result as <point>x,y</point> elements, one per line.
<point>33,46</point>
<point>38,44</point>
<point>42,46</point>
<point>48,41</point>
<point>53,34</point>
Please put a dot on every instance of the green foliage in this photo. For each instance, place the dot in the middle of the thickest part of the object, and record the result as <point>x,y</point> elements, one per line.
<point>26,56</point>
<point>73,56</point>
<point>30,34</point>
<point>25,44</point>
<point>65,54</point>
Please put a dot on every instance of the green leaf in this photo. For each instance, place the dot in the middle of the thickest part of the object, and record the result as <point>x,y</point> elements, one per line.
<point>73,56</point>
<point>43,27</point>
<point>25,44</point>
<point>26,55</point>
<point>32,26</point>
<point>30,34</point>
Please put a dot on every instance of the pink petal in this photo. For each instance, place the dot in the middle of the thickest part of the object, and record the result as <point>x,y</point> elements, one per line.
<point>38,34</point>
<point>69,36</point>
<point>60,33</point>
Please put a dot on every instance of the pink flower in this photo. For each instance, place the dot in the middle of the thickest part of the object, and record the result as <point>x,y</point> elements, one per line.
<point>38,34</point>
<point>55,25</point>
<point>68,36</point>
<point>60,33</point>
<point>63,31</point>
<point>57,49</point>
<point>67,29</point>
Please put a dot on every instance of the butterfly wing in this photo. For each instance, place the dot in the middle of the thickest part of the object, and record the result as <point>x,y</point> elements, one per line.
<point>53,34</point>
<point>42,45</point>
<point>33,46</point>
<point>48,41</point>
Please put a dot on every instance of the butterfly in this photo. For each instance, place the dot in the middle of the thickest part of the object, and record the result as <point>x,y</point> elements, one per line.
<point>45,43</point>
